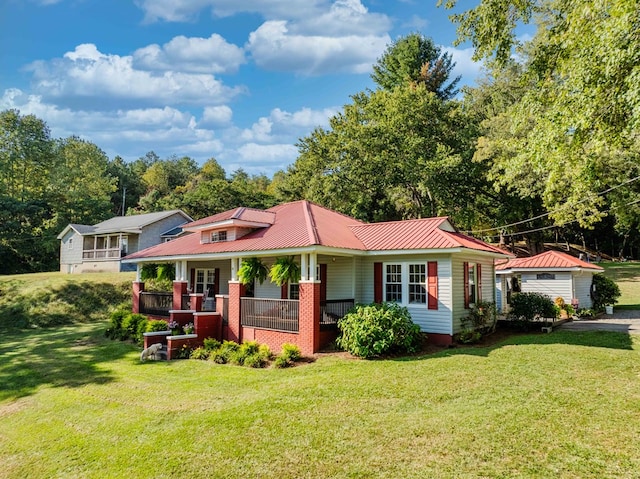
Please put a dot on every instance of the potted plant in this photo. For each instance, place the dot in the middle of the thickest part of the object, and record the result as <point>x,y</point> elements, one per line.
<point>252,269</point>
<point>188,328</point>
<point>175,328</point>
<point>285,270</point>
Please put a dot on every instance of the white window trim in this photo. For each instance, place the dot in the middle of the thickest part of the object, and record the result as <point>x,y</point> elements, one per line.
<point>70,243</point>
<point>404,278</point>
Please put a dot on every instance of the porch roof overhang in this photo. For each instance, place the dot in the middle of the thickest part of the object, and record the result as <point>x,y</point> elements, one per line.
<point>545,270</point>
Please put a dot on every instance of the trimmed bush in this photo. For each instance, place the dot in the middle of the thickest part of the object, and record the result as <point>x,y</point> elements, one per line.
<point>200,353</point>
<point>211,344</point>
<point>154,325</point>
<point>290,354</point>
<point>529,307</point>
<point>223,354</point>
<point>143,324</point>
<point>372,330</point>
<point>604,291</point>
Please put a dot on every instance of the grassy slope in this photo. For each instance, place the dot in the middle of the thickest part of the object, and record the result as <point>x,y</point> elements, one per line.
<point>627,275</point>
<point>46,299</point>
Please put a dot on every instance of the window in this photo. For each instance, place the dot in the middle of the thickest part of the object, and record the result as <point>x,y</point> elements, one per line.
<point>545,276</point>
<point>417,282</point>
<point>472,283</point>
<point>218,236</point>
<point>294,291</point>
<point>205,279</point>
<point>70,244</point>
<point>393,283</point>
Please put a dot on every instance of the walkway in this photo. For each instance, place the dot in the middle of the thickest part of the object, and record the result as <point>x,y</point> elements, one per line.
<point>624,321</point>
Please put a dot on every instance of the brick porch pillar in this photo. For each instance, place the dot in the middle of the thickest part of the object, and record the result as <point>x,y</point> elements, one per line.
<point>236,291</point>
<point>179,288</point>
<point>309,317</point>
<point>138,288</point>
<point>196,300</point>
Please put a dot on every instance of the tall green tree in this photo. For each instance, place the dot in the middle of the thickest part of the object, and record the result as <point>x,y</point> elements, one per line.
<point>575,130</point>
<point>416,59</point>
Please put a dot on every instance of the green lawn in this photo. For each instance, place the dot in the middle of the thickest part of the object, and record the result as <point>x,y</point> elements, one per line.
<point>561,405</point>
<point>627,275</point>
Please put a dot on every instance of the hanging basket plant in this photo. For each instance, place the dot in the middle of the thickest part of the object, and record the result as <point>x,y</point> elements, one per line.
<point>285,270</point>
<point>252,269</point>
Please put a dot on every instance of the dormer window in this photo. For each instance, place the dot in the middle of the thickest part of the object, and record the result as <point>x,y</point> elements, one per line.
<point>218,236</point>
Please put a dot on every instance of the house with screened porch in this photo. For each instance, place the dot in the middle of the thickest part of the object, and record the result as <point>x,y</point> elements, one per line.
<point>426,265</point>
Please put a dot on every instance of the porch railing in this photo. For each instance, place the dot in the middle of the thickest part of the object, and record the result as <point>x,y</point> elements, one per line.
<point>274,314</point>
<point>333,310</point>
<point>112,253</point>
<point>156,304</point>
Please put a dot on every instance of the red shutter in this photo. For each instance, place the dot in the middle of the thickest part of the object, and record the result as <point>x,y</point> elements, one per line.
<point>432,285</point>
<point>479,281</point>
<point>323,283</point>
<point>193,280</point>
<point>465,265</point>
<point>216,281</point>
<point>377,282</point>
<point>284,291</point>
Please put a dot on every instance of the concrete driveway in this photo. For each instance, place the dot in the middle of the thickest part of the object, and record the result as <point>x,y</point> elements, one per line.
<point>624,321</point>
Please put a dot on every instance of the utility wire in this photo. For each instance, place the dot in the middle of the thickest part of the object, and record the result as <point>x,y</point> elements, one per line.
<point>498,228</point>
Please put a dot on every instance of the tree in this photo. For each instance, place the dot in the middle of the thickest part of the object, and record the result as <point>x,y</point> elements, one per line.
<point>416,59</point>
<point>577,124</point>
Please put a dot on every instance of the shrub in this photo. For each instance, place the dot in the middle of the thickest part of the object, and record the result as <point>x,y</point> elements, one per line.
<point>211,344</point>
<point>156,325</point>
<point>200,353</point>
<point>251,354</point>
<point>130,325</point>
<point>223,354</point>
<point>528,307</point>
<point>114,331</point>
<point>290,354</point>
<point>371,330</point>
<point>143,324</point>
<point>468,336</point>
<point>184,352</point>
<point>604,291</point>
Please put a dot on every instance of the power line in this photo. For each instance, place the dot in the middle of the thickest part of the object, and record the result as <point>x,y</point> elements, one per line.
<point>498,228</point>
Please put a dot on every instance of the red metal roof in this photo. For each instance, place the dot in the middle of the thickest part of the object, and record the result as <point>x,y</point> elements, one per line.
<point>245,214</point>
<point>428,233</point>
<point>548,260</point>
<point>302,223</point>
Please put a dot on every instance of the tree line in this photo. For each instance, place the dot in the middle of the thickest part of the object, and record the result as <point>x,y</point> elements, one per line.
<point>544,148</point>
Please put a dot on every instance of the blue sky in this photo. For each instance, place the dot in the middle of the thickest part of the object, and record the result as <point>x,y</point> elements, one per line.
<point>237,80</point>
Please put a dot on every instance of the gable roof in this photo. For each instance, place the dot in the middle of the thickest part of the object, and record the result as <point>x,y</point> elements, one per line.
<point>123,224</point>
<point>549,260</point>
<point>302,224</point>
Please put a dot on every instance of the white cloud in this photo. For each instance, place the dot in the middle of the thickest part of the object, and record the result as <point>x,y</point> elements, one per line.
<point>187,10</point>
<point>216,115</point>
<point>304,118</point>
<point>198,55</point>
<point>343,18</point>
<point>274,48</point>
<point>282,124</point>
<point>104,80</point>
<point>255,158</point>
<point>465,66</point>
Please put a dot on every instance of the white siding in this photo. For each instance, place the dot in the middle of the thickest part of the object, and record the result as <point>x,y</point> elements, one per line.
<point>561,286</point>
<point>340,282</point>
<point>582,288</point>
<point>69,258</point>
<point>150,235</point>
<point>430,321</point>
<point>488,284</point>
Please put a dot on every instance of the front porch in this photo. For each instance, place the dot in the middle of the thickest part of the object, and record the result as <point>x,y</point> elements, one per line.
<point>309,321</point>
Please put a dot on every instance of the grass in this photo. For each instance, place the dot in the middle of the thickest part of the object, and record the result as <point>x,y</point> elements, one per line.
<point>562,405</point>
<point>49,299</point>
<point>627,275</point>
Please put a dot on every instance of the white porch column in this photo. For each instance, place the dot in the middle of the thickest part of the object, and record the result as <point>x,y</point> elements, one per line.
<point>184,270</point>
<point>138,272</point>
<point>304,268</point>
<point>313,267</point>
<point>235,266</point>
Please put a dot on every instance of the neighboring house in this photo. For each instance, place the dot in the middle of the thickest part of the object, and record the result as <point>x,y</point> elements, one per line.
<point>552,273</point>
<point>85,248</point>
<point>423,264</point>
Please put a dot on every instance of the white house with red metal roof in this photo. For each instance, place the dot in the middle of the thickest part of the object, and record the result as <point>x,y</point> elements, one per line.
<point>553,273</point>
<point>423,264</point>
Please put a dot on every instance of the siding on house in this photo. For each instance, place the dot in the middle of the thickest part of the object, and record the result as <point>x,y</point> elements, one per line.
<point>432,321</point>
<point>457,277</point>
<point>561,286</point>
<point>340,278</point>
<point>150,235</point>
<point>69,258</point>
<point>582,288</point>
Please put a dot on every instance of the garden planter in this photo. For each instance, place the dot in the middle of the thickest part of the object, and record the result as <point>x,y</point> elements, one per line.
<point>608,309</point>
